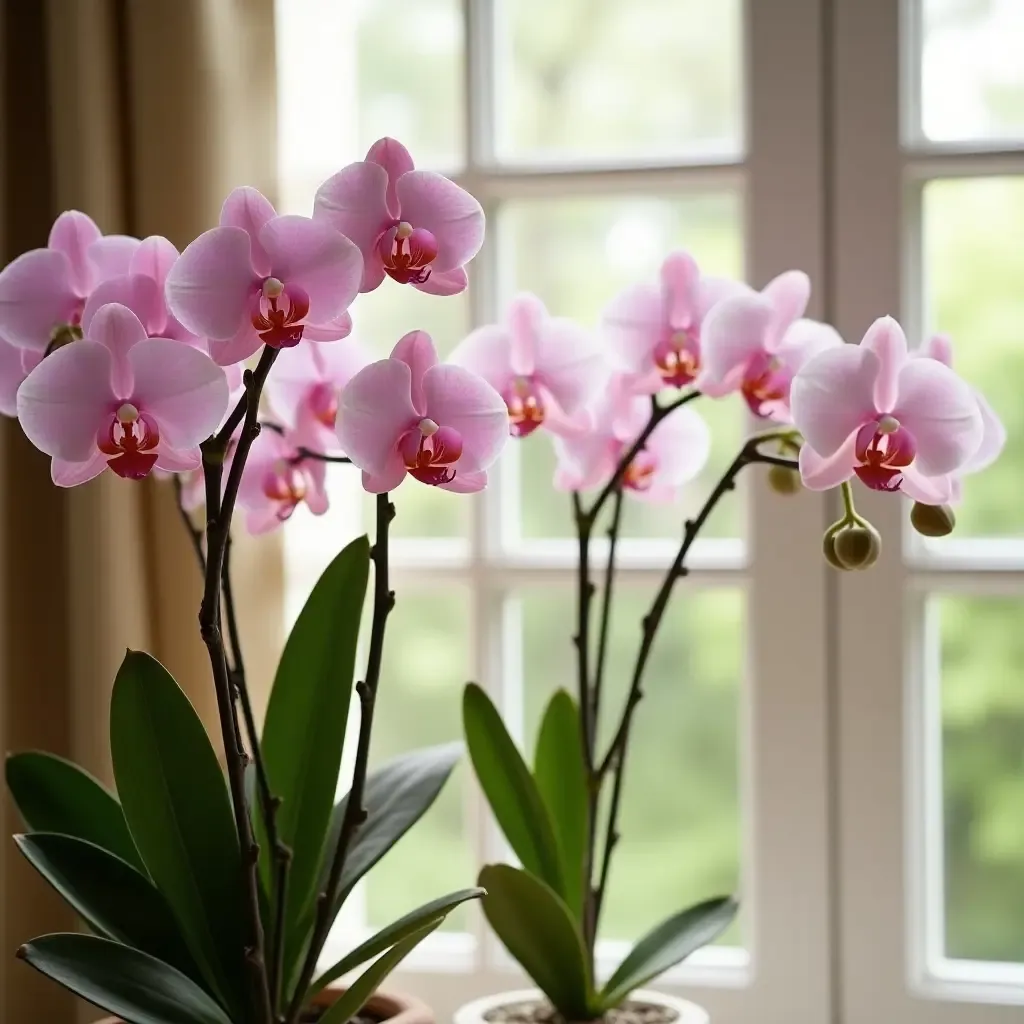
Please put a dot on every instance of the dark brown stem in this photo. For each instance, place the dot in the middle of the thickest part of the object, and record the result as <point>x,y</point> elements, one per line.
<point>302,454</point>
<point>218,530</point>
<point>355,812</point>
<point>194,533</point>
<point>615,758</point>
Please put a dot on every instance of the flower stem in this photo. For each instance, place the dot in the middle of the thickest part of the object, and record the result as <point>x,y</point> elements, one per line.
<point>355,812</point>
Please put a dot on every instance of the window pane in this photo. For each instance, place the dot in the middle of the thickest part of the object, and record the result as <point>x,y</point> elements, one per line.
<point>982,702</point>
<point>972,75</point>
<point>594,79</point>
<point>426,664</point>
<point>680,808</point>
<point>576,254</point>
<point>974,267</point>
<point>380,318</point>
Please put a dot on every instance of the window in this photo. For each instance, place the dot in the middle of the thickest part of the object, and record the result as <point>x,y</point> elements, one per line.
<point>845,750</point>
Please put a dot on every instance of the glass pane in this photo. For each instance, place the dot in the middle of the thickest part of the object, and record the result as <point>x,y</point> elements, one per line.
<point>982,703</point>
<point>972,76</point>
<point>380,318</point>
<point>426,665</point>
<point>680,809</point>
<point>576,254</point>
<point>350,73</point>
<point>594,79</point>
<point>974,267</point>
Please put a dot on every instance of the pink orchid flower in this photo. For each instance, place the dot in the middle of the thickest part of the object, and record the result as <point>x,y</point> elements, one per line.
<point>260,278</point>
<point>655,329</point>
<point>589,449</point>
<point>416,227</point>
<point>409,414</point>
<point>276,480</point>
<point>538,363</point>
<point>896,422</point>
<point>15,365</point>
<point>119,399</point>
<point>755,342</point>
<point>303,390</point>
<point>993,433</point>
<point>43,292</point>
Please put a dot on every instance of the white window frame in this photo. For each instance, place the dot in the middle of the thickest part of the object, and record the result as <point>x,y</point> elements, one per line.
<point>888,768</point>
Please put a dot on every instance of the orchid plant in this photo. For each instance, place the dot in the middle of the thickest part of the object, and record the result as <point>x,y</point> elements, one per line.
<point>209,893</point>
<point>619,408</point>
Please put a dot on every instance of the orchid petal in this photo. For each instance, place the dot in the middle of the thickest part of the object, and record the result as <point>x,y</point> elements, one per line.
<point>181,387</point>
<point>111,256</point>
<point>929,490</point>
<point>178,460</point>
<point>805,339</point>
<point>680,444</point>
<point>72,234</point>
<point>993,437</point>
<point>306,366</point>
<point>67,399</point>
<point>570,362</point>
<point>374,410</point>
<point>465,482</point>
<point>633,324</point>
<point>449,213</point>
<point>119,329</point>
<point>680,279</point>
<point>465,402</point>
<point>246,342</point>
<point>12,373</point>
<point>389,478</point>
<point>941,412</point>
<point>395,159</point>
<point>526,318</point>
<point>788,295</point>
<point>886,339</point>
<point>938,346</point>
<point>445,282</point>
<point>320,260</point>
<point>35,297</point>
<point>487,353</point>
<point>249,209</point>
<point>734,330</point>
<point>71,474</point>
<point>416,350</point>
<point>822,474</point>
<point>832,396</point>
<point>333,330</point>
<point>138,292</point>
<point>712,290</point>
<point>154,258</point>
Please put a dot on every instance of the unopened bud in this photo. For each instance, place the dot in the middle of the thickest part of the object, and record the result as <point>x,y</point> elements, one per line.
<point>783,480</point>
<point>932,520</point>
<point>857,547</point>
<point>828,549</point>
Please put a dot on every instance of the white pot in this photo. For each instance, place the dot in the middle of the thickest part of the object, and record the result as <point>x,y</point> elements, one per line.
<point>476,1011</point>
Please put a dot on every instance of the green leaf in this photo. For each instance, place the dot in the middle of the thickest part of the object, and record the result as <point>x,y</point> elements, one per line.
<point>366,984</point>
<point>304,730</point>
<point>54,795</point>
<point>538,929</point>
<point>132,985</point>
<point>509,787</point>
<point>179,813</point>
<point>561,776</point>
<point>397,795</point>
<point>666,945</point>
<point>113,898</point>
<point>393,933</point>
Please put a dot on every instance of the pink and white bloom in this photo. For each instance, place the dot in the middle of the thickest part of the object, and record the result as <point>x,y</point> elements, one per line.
<point>538,363</point>
<point>416,227</point>
<point>590,449</point>
<point>993,433</point>
<point>755,342</point>
<point>276,480</point>
<point>654,330</point>
<point>43,292</point>
<point>260,278</point>
<point>409,414</point>
<point>896,422</point>
<point>122,400</point>
<point>303,390</point>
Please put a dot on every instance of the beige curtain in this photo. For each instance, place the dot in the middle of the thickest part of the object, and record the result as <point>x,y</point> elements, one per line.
<point>142,113</point>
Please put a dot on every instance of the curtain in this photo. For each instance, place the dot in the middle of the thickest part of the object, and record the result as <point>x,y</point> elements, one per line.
<point>143,114</point>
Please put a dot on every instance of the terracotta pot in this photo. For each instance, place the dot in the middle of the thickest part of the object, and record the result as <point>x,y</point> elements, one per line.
<point>476,1011</point>
<point>392,1007</point>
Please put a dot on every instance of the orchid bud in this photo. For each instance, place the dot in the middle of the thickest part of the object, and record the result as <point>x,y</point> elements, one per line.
<point>857,546</point>
<point>932,520</point>
<point>828,549</point>
<point>783,480</point>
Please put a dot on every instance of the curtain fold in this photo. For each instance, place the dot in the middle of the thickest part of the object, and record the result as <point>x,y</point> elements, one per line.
<point>144,115</point>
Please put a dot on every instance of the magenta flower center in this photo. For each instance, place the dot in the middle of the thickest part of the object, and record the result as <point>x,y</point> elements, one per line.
<point>277,313</point>
<point>285,485</point>
<point>407,252</point>
<point>765,383</point>
<point>129,439</point>
<point>677,357</point>
<point>430,452</point>
<point>525,406</point>
<point>884,449</point>
<point>640,472</point>
<point>323,403</point>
